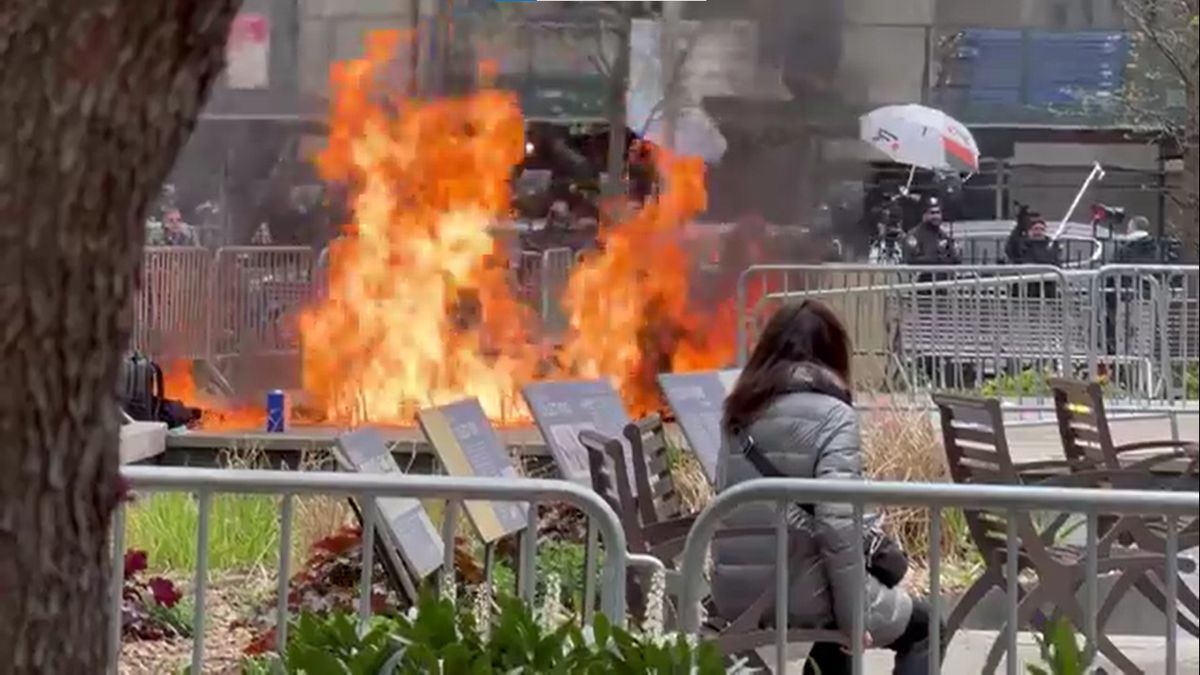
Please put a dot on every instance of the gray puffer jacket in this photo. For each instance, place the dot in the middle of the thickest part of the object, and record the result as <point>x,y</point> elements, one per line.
<point>805,435</point>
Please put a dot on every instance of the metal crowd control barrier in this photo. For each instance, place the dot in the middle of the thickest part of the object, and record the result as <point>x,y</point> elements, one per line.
<point>941,326</point>
<point>922,327</point>
<point>245,299</point>
<point>1009,499</point>
<point>257,293</point>
<point>1146,329</point>
<point>557,264</point>
<point>204,483</point>
<point>171,307</point>
<point>542,278</point>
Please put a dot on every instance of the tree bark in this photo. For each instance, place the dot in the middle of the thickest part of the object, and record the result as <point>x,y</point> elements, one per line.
<point>96,100</point>
<point>618,86</point>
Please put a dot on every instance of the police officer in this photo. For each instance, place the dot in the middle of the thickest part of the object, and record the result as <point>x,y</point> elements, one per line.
<point>928,243</point>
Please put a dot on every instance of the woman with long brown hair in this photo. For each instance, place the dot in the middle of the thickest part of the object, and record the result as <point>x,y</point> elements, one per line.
<point>790,414</point>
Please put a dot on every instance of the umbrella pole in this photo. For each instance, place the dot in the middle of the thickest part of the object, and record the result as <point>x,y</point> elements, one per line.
<point>912,172</point>
<point>1097,172</point>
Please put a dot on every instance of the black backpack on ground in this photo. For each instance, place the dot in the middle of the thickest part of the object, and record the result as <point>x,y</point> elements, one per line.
<point>142,394</point>
<point>141,388</point>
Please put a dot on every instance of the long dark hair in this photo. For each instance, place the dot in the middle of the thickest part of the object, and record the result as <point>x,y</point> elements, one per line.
<point>803,334</point>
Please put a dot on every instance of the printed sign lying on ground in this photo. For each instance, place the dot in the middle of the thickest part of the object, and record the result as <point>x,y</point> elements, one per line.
<point>408,527</point>
<point>697,399</point>
<point>563,409</point>
<point>467,445</point>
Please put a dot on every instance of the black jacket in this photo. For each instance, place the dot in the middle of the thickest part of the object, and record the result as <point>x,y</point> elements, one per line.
<point>928,244</point>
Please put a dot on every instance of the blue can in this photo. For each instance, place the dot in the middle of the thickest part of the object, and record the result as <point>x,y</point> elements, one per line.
<point>276,412</point>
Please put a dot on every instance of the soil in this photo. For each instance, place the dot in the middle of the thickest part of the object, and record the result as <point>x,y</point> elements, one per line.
<point>228,600</point>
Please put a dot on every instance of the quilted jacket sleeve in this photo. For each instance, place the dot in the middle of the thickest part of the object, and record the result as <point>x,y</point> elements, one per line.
<point>840,541</point>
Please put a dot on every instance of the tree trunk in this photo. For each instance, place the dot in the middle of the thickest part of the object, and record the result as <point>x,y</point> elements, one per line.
<point>96,100</point>
<point>618,86</point>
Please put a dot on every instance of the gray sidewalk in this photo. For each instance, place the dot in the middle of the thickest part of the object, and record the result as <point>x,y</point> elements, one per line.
<point>968,652</point>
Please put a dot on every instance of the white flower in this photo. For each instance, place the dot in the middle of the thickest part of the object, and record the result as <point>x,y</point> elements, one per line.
<point>652,626</point>
<point>552,609</point>
<point>482,610</point>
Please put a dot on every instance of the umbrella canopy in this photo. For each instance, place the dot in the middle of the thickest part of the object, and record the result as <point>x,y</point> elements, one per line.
<point>921,136</point>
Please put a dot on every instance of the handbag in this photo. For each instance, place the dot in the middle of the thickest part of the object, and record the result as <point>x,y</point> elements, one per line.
<point>885,560</point>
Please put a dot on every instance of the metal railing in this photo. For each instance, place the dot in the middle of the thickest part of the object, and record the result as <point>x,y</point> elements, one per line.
<point>240,300</point>
<point>256,294</point>
<point>171,307</point>
<point>923,327</point>
<point>1008,499</point>
<point>288,485</point>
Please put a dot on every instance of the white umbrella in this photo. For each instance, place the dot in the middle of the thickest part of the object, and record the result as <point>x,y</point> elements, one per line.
<point>920,136</point>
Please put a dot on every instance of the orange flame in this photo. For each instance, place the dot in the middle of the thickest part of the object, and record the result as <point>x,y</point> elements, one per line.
<point>396,332</point>
<point>420,309</point>
<point>629,307</point>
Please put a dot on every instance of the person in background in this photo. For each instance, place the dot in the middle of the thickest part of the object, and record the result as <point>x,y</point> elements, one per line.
<point>791,413</point>
<point>928,242</point>
<point>1029,242</point>
<point>175,231</point>
<point>261,236</point>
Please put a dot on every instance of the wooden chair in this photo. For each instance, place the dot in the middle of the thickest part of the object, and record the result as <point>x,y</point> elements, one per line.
<point>610,480</point>
<point>744,633</point>
<point>977,453</point>
<point>1086,437</point>
<point>664,523</point>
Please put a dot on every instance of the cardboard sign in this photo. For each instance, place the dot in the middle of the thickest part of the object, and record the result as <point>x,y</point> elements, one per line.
<point>563,409</point>
<point>409,527</point>
<point>467,445</point>
<point>697,399</point>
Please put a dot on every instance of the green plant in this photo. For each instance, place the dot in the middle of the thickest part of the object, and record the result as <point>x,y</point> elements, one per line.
<point>1024,383</point>
<point>243,530</point>
<point>151,609</point>
<point>1060,650</point>
<point>439,638</point>
<point>563,559</point>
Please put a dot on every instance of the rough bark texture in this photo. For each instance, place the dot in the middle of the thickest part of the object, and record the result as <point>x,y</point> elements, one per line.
<point>96,99</point>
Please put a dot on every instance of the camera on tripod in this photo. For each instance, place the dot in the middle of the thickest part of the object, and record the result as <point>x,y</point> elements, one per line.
<point>1108,216</point>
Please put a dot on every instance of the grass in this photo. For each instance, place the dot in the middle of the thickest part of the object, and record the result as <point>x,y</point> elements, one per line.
<point>902,445</point>
<point>243,530</point>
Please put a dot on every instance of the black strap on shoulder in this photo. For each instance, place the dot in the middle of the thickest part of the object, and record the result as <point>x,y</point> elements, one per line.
<point>765,467</point>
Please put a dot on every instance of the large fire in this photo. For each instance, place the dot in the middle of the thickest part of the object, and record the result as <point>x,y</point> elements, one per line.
<point>420,308</point>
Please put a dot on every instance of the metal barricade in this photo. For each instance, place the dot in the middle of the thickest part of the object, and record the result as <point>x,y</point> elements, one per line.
<point>556,267</point>
<point>1003,499</point>
<point>257,293</point>
<point>1145,329</point>
<point>171,307</point>
<point>921,326</point>
<point>529,277</point>
<point>204,483</point>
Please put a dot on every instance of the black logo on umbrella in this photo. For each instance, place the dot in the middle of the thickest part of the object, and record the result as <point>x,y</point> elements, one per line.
<point>884,136</point>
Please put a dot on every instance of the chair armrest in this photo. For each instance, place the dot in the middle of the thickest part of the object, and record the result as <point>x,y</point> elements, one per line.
<point>1050,464</point>
<point>1183,448</point>
<point>665,530</point>
<point>1090,478</point>
<point>1147,464</point>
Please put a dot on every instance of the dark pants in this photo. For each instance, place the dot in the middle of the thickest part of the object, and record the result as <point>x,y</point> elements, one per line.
<point>912,649</point>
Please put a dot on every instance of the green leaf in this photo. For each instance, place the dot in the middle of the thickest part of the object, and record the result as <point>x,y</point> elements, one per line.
<point>315,660</point>
<point>602,630</point>
<point>456,659</point>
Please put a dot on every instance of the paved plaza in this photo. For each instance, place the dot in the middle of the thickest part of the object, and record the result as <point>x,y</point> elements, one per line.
<point>969,651</point>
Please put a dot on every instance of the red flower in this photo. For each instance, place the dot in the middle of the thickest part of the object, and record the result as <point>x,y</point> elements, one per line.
<point>262,644</point>
<point>164,591</point>
<point>135,561</point>
<point>339,542</point>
